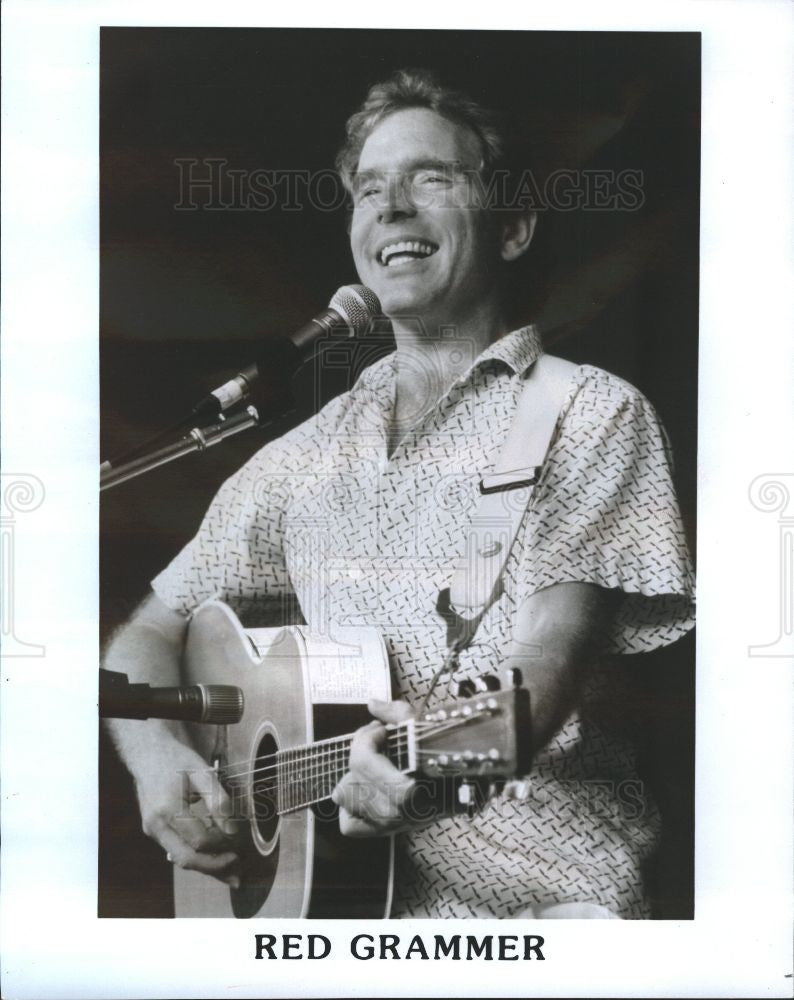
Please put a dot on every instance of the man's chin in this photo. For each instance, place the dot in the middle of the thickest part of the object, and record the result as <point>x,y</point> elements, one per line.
<point>397,302</point>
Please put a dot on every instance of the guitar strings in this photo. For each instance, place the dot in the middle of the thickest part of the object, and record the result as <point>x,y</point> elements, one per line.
<point>318,764</point>
<point>391,728</point>
<point>398,730</point>
<point>315,781</point>
<point>425,729</point>
<point>420,726</point>
<point>266,794</point>
<point>318,760</point>
<point>323,770</point>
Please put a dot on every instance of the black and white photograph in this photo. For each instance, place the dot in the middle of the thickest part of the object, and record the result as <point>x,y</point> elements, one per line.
<point>419,456</point>
<point>401,381</point>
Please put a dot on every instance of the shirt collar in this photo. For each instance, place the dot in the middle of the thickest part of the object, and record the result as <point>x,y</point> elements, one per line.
<point>518,350</point>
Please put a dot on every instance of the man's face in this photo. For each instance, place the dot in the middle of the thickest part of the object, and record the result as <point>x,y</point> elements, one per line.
<point>420,238</point>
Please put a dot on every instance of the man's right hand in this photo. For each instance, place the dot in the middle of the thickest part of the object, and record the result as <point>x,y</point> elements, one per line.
<point>187,811</point>
<point>183,806</point>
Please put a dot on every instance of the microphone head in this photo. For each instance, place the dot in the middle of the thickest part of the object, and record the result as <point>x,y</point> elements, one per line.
<point>222,704</point>
<point>357,305</point>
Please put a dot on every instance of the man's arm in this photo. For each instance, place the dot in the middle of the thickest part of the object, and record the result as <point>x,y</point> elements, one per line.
<point>183,806</point>
<point>558,632</point>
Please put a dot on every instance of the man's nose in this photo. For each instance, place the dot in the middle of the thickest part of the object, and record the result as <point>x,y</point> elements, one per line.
<point>397,200</point>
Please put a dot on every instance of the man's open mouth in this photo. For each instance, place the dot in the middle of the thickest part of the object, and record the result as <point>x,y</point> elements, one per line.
<point>394,253</point>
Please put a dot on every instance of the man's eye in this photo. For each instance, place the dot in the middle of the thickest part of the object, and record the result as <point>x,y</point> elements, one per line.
<point>430,178</point>
<point>371,191</point>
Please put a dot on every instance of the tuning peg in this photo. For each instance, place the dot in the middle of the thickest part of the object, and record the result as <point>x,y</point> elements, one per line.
<point>469,798</point>
<point>517,789</point>
<point>487,682</point>
<point>466,793</point>
<point>514,678</point>
<point>465,689</point>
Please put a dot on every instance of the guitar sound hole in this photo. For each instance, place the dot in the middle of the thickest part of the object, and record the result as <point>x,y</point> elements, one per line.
<point>265,801</point>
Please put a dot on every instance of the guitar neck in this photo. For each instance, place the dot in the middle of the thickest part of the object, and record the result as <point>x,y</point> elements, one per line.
<point>303,775</point>
<point>477,738</point>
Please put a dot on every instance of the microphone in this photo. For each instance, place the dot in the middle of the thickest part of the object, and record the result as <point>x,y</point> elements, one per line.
<point>218,704</point>
<point>353,306</point>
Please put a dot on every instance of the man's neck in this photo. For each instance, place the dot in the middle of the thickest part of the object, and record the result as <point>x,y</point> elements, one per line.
<point>431,355</point>
<point>441,345</point>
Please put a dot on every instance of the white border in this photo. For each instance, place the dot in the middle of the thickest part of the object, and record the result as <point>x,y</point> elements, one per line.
<point>740,943</point>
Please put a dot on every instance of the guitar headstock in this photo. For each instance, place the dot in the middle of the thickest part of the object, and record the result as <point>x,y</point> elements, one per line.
<point>484,736</point>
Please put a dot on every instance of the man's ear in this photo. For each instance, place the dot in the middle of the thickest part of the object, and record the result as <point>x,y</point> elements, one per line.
<point>517,231</point>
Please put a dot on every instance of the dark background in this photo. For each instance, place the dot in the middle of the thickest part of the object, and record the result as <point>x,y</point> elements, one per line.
<point>187,296</point>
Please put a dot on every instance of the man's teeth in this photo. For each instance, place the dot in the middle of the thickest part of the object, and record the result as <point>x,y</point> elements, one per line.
<point>409,248</point>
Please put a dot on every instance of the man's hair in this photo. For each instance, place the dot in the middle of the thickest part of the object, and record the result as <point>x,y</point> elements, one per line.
<point>419,88</point>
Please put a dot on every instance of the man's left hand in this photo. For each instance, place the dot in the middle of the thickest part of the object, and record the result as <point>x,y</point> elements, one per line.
<point>374,798</point>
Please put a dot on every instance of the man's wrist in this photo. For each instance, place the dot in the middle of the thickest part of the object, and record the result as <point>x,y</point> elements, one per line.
<point>147,746</point>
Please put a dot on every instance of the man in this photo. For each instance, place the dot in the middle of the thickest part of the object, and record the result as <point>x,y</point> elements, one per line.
<point>599,562</point>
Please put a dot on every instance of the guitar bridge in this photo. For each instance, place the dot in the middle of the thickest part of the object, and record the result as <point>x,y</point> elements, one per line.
<point>219,757</point>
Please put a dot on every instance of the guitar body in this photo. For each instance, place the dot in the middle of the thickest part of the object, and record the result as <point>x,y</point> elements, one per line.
<point>298,689</point>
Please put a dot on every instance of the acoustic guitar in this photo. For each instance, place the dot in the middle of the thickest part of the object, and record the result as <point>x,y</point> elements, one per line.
<point>305,695</point>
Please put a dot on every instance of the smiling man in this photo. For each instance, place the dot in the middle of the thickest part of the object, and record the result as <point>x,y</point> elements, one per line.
<point>424,243</point>
<point>419,234</point>
<point>599,563</point>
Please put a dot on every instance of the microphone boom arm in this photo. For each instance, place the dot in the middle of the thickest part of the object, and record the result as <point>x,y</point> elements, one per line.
<point>199,439</point>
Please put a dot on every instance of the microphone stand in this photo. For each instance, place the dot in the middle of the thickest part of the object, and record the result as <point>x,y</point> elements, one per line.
<point>199,439</point>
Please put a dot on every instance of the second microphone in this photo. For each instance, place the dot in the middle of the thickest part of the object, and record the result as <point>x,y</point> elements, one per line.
<point>352,306</point>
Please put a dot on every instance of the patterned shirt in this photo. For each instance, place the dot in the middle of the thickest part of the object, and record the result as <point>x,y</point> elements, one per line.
<point>325,523</point>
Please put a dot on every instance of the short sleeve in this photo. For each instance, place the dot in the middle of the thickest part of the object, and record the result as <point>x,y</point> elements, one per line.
<point>237,554</point>
<point>606,513</point>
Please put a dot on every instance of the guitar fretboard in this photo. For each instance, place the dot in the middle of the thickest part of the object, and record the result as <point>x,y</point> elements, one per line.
<point>308,774</point>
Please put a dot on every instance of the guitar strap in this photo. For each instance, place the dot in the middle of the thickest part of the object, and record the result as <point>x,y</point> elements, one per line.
<point>505,495</point>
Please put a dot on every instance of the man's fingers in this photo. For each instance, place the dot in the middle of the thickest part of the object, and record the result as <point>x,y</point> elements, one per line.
<point>216,801</point>
<point>199,834</point>
<point>369,740</point>
<point>220,866</point>
<point>366,760</point>
<point>356,826</point>
<point>367,765</point>
<point>372,795</point>
<point>378,806</point>
<point>191,820</point>
<point>389,711</point>
<point>364,747</point>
